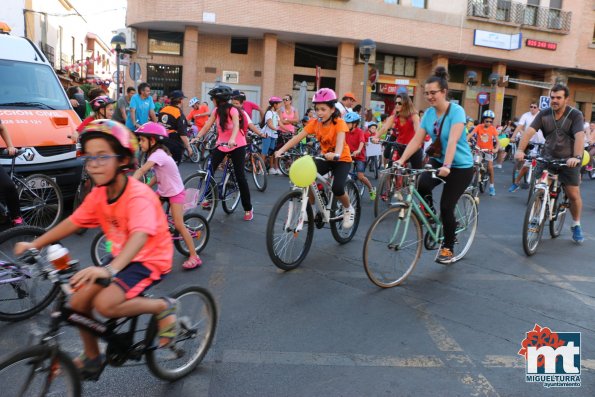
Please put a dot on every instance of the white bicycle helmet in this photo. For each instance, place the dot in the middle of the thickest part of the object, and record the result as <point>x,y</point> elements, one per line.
<point>193,101</point>
<point>488,114</point>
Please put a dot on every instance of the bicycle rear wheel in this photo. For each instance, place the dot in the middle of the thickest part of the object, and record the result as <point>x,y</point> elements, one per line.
<point>206,197</point>
<point>287,247</point>
<point>198,227</point>
<point>197,323</point>
<point>340,234</point>
<point>533,224</point>
<point>41,201</point>
<point>392,247</point>
<point>466,216</point>
<point>23,292</point>
<point>230,195</point>
<point>39,371</point>
<point>259,172</point>
<point>387,193</point>
<point>561,206</point>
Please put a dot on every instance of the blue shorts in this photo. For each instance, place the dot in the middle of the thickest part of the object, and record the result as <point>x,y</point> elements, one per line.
<point>268,145</point>
<point>134,278</point>
<point>360,166</point>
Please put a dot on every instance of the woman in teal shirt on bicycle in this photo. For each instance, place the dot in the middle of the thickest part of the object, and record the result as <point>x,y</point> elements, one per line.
<point>450,153</point>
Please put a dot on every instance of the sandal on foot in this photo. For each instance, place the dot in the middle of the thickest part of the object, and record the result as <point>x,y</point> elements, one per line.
<point>170,331</point>
<point>90,369</point>
<point>192,263</point>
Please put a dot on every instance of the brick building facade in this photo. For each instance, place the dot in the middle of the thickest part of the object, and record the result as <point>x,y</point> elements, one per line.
<point>267,47</point>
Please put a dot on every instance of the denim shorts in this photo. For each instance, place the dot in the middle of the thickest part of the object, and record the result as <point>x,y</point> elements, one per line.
<point>268,145</point>
<point>360,166</point>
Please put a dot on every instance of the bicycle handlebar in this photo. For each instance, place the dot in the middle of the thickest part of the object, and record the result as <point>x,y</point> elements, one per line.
<point>556,162</point>
<point>33,256</point>
<point>4,152</point>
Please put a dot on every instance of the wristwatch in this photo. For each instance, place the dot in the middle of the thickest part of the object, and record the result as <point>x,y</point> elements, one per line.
<point>336,157</point>
<point>110,269</point>
<point>580,157</point>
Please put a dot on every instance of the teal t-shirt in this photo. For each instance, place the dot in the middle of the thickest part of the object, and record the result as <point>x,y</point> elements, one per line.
<point>430,123</point>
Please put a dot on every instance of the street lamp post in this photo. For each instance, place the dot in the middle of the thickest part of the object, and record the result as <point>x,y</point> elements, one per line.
<point>117,42</point>
<point>367,48</point>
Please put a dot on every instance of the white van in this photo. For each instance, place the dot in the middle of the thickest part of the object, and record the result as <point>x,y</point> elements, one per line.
<point>37,114</point>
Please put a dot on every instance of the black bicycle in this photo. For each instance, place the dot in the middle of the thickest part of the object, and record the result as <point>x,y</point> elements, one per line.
<point>46,370</point>
<point>40,197</point>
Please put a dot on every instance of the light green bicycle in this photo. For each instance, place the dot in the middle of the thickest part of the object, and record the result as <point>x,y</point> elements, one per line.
<point>394,241</point>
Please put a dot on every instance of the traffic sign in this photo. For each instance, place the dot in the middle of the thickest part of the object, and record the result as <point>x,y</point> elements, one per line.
<point>117,74</point>
<point>483,98</point>
<point>134,71</point>
<point>544,102</point>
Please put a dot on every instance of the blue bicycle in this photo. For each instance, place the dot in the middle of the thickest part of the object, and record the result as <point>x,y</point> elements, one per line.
<point>24,291</point>
<point>208,192</point>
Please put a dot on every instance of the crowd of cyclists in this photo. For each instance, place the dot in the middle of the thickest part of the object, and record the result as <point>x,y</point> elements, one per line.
<point>131,216</point>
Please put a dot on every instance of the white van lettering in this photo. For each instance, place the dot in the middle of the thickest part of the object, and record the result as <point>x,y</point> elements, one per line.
<point>8,112</point>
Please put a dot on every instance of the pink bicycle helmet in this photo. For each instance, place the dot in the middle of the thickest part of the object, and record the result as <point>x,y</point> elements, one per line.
<point>100,102</point>
<point>110,129</point>
<point>275,99</point>
<point>153,129</point>
<point>325,95</point>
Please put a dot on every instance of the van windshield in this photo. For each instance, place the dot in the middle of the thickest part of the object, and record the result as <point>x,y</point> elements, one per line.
<point>30,85</point>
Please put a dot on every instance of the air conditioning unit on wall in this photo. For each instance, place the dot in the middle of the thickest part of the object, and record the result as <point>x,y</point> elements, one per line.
<point>230,77</point>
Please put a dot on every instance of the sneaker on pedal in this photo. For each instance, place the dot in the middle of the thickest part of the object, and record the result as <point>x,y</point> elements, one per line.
<point>373,194</point>
<point>18,221</point>
<point>492,191</point>
<point>445,256</point>
<point>513,188</point>
<point>249,215</point>
<point>577,234</point>
<point>348,217</point>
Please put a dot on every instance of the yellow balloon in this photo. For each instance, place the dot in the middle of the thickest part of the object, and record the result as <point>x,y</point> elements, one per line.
<point>586,158</point>
<point>504,142</point>
<point>303,171</point>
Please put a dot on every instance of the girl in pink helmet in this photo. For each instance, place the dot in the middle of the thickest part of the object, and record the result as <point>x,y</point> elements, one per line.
<point>168,179</point>
<point>330,131</point>
<point>131,217</point>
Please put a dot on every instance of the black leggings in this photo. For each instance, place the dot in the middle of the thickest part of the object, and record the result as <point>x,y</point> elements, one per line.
<point>456,183</point>
<point>340,171</point>
<point>238,156</point>
<point>8,192</point>
<point>416,160</point>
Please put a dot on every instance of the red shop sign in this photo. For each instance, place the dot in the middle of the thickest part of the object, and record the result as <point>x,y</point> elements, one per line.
<point>546,45</point>
<point>390,89</point>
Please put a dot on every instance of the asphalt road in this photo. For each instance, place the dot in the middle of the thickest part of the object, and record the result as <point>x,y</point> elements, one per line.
<point>326,330</point>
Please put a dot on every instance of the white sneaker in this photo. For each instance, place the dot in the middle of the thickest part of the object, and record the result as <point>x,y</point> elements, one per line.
<point>348,217</point>
<point>497,165</point>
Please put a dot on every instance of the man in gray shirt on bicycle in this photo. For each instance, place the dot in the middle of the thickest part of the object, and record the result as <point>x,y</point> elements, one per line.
<point>563,129</point>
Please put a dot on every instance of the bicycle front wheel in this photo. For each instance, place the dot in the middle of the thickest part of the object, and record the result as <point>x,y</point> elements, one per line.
<point>206,195</point>
<point>340,234</point>
<point>561,206</point>
<point>287,246</point>
<point>285,164</point>
<point>259,172</point>
<point>197,323</point>
<point>533,224</point>
<point>39,371</point>
<point>466,216</point>
<point>392,247</point>
<point>198,227</point>
<point>23,292</point>
<point>41,201</point>
<point>100,249</point>
<point>230,195</point>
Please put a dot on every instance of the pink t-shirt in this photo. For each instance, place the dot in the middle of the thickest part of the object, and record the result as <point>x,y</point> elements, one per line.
<point>249,107</point>
<point>223,136</point>
<point>169,181</point>
<point>290,115</point>
<point>138,209</point>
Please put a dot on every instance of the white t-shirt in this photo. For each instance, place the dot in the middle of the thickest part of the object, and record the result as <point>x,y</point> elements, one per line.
<point>271,115</point>
<point>342,109</point>
<point>525,121</point>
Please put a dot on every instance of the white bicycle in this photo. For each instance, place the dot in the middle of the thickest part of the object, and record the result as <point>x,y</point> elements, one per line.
<point>290,228</point>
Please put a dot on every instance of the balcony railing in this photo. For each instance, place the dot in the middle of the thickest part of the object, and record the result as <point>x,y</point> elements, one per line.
<point>520,14</point>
